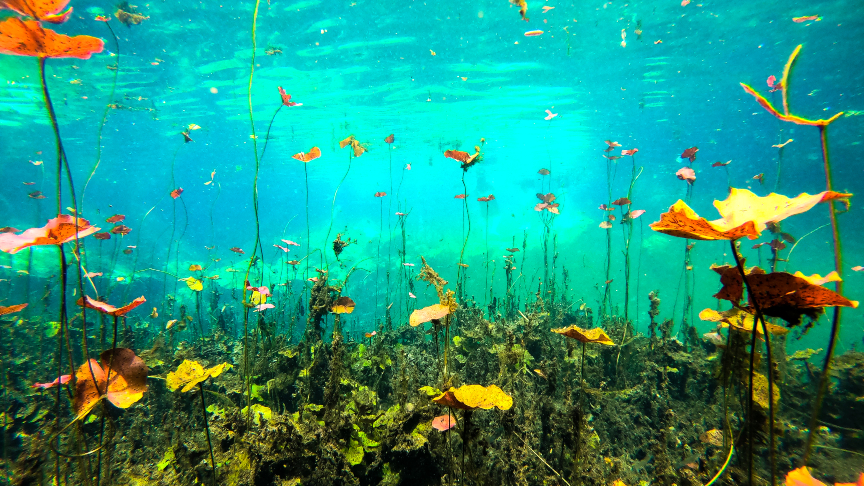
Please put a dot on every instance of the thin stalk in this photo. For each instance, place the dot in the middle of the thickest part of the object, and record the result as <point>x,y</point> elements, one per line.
<point>104,113</point>
<point>835,320</point>
<point>207,430</point>
<point>333,204</point>
<point>467,235</point>
<point>267,137</point>
<point>247,375</point>
<point>761,319</point>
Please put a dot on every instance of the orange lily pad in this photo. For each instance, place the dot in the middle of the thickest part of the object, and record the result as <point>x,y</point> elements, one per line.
<point>110,309</point>
<point>780,294</point>
<point>61,229</point>
<point>472,397</point>
<point>43,10</point>
<point>28,38</point>
<point>743,214</point>
<point>426,314</point>
<point>128,381</point>
<point>12,309</point>
<point>596,335</point>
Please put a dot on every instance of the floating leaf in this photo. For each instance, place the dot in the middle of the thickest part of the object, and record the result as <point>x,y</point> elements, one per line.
<point>596,335</point>
<point>343,305</point>
<point>12,309</point>
<point>193,283</point>
<point>779,294</point>
<point>28,38</point>
<point>472,397</point>
<point>426,314</point>
<point>110,309</point>
<point>128,381</point>
<point>190,373</point>
<point>59,230</point>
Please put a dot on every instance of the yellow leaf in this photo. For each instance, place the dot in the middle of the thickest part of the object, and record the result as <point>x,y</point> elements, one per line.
<point>471,397</point>
<point>190,373</point>
<point>426,314</point>
<point>596,335</point>
<point>193,283</point>
<point>743,214</point>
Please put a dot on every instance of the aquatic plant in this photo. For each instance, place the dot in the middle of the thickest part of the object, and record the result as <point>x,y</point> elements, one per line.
<point>467,160</point>
<point>189,374</point>
<point>486,200</point>
<point>743,214</point>
<point>822,124</point>
<point>585,336</point>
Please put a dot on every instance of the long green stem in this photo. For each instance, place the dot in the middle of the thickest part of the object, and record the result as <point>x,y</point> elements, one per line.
<point>835,320</point>
<point>246,372</point>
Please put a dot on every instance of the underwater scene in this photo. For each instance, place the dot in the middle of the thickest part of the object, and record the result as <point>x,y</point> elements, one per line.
<point>321,242</point>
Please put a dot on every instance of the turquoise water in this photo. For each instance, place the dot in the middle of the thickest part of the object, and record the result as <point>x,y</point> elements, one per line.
<point>367,69</point>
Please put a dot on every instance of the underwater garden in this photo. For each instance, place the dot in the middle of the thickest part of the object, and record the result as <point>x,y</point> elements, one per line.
<point>314,242</point>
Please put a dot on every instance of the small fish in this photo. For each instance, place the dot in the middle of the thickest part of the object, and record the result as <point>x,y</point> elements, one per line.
<point>463,265</point>
<point>407,166</point>
<point>512,250</point>
<point>544,172</point>
<point>857,269</point>
<point>760,178</point>
<point>154,314</point>
<point>541,374</point>
<point>583,306</point>
<point>408,264</point>
<point>721,164</point>
<point>28,183</point>
<point>171,323</point>
<point>534,33</point>
<point>658,41</point>
<point>369,335</point>
<point>120,279</point>
<point>549,114</point>
<point>36,195</point>
<point>8,229</point>
<point>193,126</point>
<point>293,262</point>
<point>401,214</point>
<point>312,279</point>
<point>432,52</point>
<point>238,251</point>
<point>289,242</point>
<point>547,8</point>
<point>781,145</point>
<point>23,272</point>
<point>380,194</point>
<point>412,295</point>
<point>459,196</point>
<point>630,152</point>
<point>713,338</point>
<point>186,137</point>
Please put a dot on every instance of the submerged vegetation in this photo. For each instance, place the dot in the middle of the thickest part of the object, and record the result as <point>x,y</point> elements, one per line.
<point>324,366</point>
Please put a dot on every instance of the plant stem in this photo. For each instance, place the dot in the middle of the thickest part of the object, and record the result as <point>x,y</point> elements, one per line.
<point>207,430</point>
<point>835,320</point>
<point>761,319</point>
